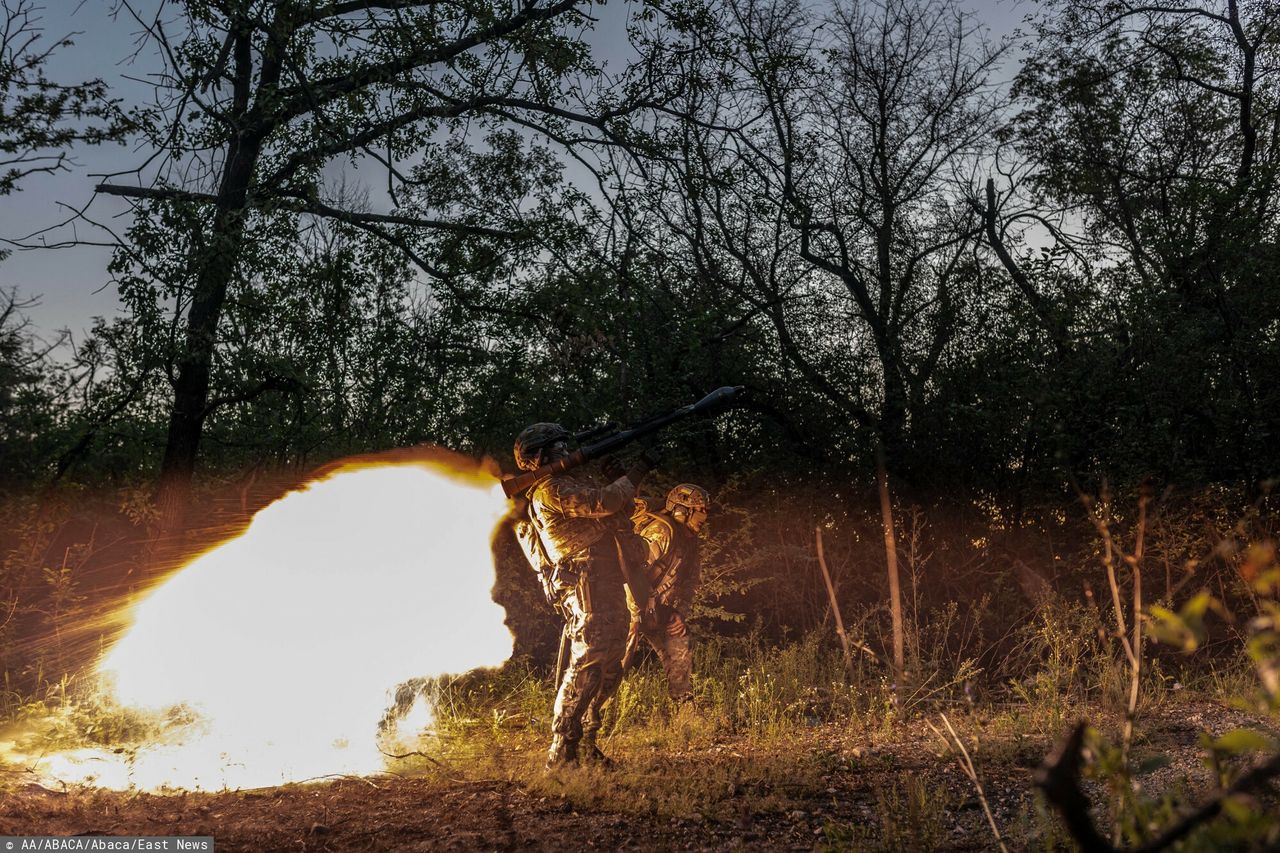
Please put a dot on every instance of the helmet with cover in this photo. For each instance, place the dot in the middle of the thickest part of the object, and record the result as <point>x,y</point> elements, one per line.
<point>532,440</point>
<point>687,504</point>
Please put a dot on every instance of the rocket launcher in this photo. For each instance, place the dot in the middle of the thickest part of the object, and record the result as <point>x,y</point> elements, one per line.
<point>615,439</point>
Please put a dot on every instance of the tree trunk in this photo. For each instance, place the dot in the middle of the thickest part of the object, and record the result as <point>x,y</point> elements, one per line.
<point>216,265</point>
<point>893,413</point>
<point>891,560</point>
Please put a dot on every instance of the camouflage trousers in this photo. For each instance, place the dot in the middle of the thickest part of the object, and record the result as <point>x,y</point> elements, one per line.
<point>597,618</point>
<point>670,639</point>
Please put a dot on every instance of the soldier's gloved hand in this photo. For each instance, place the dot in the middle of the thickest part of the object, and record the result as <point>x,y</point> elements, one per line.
<point>524,530</point>
<point>645,462</point>
<point>675,625</point>
<point>612,469</point>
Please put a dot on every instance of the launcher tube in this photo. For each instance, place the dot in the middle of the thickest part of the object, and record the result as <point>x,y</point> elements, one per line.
<point>708,405</point>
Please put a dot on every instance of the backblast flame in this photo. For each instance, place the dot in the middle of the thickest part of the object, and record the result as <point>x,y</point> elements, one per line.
<point>286,639</point>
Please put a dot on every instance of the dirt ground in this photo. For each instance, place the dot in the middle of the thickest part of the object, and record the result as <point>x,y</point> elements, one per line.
<point>898,790</point>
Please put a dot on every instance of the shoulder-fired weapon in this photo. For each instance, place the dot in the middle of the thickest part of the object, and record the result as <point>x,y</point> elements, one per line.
<point>614,439</point>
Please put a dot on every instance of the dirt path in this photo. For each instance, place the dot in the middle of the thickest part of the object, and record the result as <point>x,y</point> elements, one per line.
<point>401,814</point>
<point>826,786</point>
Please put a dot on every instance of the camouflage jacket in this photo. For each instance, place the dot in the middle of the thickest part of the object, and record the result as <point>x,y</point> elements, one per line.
<point>674,566</point>
<point>572,515</point>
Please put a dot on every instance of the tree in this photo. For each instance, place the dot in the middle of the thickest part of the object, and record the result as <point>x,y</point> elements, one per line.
<point>820,173</point>
<point>27,395</point>
<point>40,119</point>
<point>260,97</point>
<point>1150,130</point>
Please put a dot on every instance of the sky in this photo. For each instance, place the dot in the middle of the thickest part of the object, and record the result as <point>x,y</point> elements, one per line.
<point>70,285</point>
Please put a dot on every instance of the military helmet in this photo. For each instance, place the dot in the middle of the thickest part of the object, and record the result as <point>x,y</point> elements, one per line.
<point>532,439</point>
<point>687,497</point>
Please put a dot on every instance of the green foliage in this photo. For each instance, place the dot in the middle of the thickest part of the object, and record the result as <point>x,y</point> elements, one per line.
<point>30,381</point>
<point>617,297</point>
<point>1061,644</point>
<point>1133,124</point>
<point>732,562</point>
<point>73,715</point>
<point>909,816</point>
<point>41,118</point>
<point>1245,820</point>
<point>1183,630</point>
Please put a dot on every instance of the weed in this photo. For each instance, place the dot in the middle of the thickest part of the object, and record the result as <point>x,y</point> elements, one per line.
<point>908,817</point>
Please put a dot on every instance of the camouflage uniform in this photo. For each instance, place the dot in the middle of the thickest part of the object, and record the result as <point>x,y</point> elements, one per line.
<point>674,572</point>
<point>587,536</point>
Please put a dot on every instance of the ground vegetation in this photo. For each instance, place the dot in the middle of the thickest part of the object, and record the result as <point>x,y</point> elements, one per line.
<point>1004,312</point>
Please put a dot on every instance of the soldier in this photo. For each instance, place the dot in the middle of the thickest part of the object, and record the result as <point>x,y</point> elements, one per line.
<point>586,540</point>
<point>674,572</point>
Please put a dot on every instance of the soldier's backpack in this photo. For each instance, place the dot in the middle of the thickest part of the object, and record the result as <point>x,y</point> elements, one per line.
<point>662,572</point>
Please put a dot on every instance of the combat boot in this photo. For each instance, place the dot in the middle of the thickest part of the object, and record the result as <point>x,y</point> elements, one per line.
<point>590,752</point>
<point>563,752</point>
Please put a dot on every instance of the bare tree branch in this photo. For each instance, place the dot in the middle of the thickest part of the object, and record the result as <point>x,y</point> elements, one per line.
<point>301,202</point>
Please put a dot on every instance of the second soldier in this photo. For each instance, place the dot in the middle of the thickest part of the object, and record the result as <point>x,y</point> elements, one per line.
<point>673,574</point>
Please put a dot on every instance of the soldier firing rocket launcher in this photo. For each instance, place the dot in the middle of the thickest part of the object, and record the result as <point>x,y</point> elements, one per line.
<point>615,439</point>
